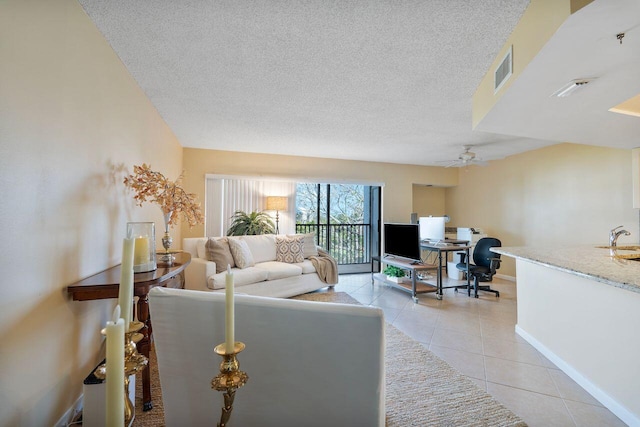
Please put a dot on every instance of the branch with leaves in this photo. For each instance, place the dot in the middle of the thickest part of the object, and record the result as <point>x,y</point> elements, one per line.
<point>154,187</point>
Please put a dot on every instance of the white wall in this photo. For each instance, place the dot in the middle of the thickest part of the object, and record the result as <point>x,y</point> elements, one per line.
<point>594,341</point>
<point>72,124</point>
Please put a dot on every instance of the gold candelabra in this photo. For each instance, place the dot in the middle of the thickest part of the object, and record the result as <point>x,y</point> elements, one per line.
<point>134,362</point>
<point>229,379</point>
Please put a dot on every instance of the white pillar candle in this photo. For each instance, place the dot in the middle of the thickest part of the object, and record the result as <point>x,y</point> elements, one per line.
<point>141,250</point>
<point>125,292</point>
<point>115,371</point>
<point>229,315</point>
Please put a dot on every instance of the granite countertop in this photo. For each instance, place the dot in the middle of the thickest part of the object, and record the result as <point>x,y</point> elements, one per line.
<point>586,261</point>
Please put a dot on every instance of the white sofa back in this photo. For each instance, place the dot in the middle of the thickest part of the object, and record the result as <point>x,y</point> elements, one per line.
<point>309,363</point>
<point>189,244</point>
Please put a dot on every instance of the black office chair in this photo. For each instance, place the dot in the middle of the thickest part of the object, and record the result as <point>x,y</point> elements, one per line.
<point>485,264</point>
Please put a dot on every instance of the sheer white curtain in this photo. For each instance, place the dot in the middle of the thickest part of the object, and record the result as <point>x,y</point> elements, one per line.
<point>226,195</point>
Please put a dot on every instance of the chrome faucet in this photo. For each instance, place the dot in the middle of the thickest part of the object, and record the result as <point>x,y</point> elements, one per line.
<point>613,235</point>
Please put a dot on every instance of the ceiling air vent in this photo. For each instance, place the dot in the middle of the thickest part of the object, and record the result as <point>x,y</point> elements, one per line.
<point>504,70</point>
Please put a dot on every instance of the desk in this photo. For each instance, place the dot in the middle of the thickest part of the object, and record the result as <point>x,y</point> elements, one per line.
<point>106,285</point>
<point>450,246</point>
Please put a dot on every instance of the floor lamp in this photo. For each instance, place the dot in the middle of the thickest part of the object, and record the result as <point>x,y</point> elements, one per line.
<point>277,203</point>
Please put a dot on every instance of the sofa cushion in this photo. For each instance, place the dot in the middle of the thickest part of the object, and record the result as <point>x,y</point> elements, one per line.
<point>262,247</point>
<point>306,266</point>
<point>241,253</point>
<point>218,251</point>
<point>242,277</point>
<point>279,270</point>
<point>289,249</point>
<point>309,248</point>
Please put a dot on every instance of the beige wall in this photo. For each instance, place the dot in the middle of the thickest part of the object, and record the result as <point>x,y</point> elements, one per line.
<point>564,194</point>
<point>559,195</point>
<point>429,201</point>
<point>397,179</point>
<point>72,122</point>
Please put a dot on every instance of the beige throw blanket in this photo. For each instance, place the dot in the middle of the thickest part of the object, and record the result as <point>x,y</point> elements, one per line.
<point>326,267</point>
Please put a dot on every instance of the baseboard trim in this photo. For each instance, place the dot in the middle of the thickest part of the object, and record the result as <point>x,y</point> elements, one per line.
<point>71,413</point>
<point>607,401</point>
<point>505,277</point>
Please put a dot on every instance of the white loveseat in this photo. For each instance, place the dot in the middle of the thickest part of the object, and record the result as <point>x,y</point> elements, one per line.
<point>309,363</point>
<point>263,276</point>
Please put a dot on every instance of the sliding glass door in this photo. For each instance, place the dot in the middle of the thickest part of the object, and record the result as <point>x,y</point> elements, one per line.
<point>345,219</point>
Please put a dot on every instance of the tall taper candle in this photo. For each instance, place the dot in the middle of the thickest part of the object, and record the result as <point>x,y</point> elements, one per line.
<point>229,314</point>
<point>115,371</point>
<point>125,292</point>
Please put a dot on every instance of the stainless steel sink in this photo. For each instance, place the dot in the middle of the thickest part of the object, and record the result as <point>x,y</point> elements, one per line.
<point>622,248</point>
<point>630,252</point>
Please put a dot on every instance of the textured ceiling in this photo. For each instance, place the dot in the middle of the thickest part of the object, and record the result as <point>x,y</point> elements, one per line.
<point>368,80</point>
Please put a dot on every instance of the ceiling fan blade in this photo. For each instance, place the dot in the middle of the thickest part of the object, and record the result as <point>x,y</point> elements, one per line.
<point>454,164</point>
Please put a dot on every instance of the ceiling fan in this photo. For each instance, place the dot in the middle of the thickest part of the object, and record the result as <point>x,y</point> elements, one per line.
<point>465,158</point>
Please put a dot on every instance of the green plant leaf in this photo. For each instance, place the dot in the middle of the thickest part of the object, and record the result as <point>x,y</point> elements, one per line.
<point>393,271</point>
<point>250,224</point>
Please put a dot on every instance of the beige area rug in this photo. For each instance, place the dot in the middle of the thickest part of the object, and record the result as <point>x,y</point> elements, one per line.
<point>421,389</point>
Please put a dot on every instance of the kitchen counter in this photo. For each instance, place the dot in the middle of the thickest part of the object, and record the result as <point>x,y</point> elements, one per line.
<point>580,307</point>
<point>586,261</point>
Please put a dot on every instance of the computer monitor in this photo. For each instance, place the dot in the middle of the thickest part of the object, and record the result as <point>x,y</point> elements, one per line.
<point>402,240</point>
<point>432,228</point>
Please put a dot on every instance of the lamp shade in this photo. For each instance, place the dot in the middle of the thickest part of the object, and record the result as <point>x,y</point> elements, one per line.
<point>276,203</point>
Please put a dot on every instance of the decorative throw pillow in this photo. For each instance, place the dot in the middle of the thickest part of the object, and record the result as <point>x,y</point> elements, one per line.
<point>290,249</point>
<point>241,253</point>
<point>309,248</point>
<point>218,251</point>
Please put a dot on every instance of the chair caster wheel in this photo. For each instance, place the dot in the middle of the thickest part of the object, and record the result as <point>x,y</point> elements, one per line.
<point>439,297</point>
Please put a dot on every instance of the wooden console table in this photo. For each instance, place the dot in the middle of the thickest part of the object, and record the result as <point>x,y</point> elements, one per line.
<point>106,285</point>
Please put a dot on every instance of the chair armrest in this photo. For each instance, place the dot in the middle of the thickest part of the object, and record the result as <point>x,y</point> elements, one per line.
<point>495,264</point>
<point>463,257</point>
<point>197,272</point>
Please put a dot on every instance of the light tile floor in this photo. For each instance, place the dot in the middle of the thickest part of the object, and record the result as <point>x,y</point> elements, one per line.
<point>477,337</point>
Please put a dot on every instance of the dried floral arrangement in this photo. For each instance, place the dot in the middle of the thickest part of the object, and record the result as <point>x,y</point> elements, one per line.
<point>154,187</point>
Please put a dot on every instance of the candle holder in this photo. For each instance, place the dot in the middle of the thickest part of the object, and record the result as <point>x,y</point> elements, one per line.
<point>144,249</point>
<point>229,379</point>
<point>134,362</point>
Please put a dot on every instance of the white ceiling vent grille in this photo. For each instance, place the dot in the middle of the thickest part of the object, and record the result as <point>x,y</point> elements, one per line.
<point>504,70</point>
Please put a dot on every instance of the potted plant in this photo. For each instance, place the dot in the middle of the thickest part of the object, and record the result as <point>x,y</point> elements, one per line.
<point>394,274</point>
<point>250,224</point>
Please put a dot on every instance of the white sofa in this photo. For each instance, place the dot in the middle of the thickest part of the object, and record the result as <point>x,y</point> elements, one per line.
<point>309,363</point>
<point>267,277</point>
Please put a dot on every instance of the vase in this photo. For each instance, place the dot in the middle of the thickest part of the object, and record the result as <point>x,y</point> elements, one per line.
<point>167,258</point>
